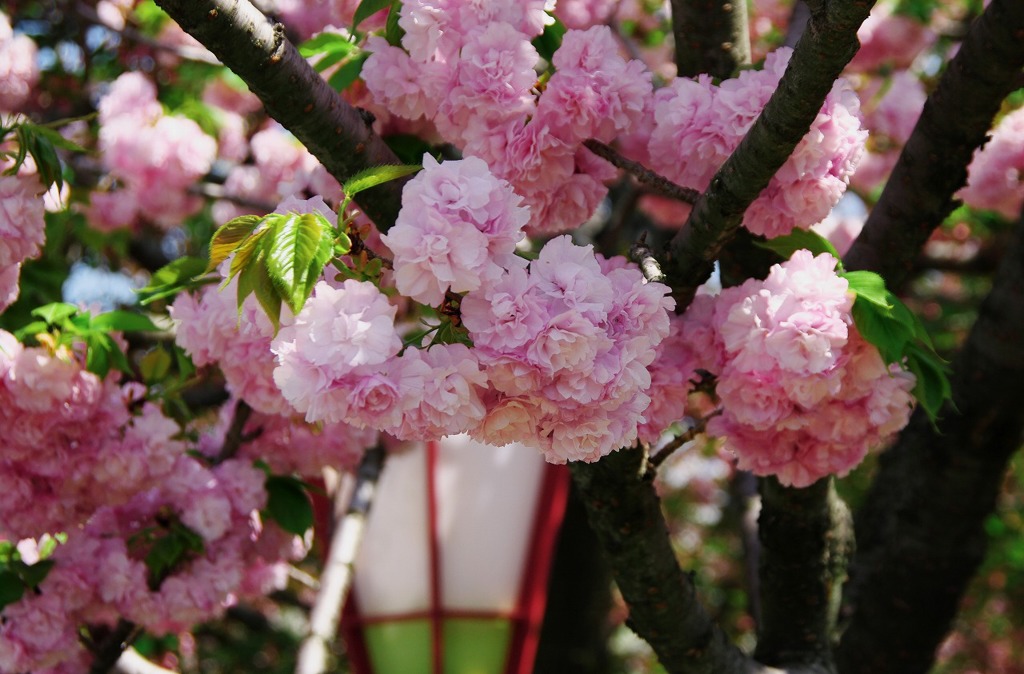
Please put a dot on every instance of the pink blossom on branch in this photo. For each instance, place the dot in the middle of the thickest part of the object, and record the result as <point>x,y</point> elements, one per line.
<point>803,394</point>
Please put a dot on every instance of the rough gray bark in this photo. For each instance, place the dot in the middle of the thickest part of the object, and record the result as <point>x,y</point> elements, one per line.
<point>294,94</point>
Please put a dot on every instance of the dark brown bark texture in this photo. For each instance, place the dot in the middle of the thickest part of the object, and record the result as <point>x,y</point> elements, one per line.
<point>920,532</point>
<point>806,539</point>
<point>711,37</point>
<point>933,164</point>
<point>294,94</point>
<point>825,48</point>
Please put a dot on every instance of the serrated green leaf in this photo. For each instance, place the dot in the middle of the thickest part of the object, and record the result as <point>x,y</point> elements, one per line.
<point>889,336</point>
<point>868,286</point>
<point>123,321</point>
<point>800,239</point>
<point>288,504</point>
<point>548,42</point>
<point>377,175</point>
<point>296,255</point>
<point>251,250</point>
<point>55,312</point>
<point>348,73</point>
<point>366,9</point>
<point>393,32</point>
<point>186,368</point>
<point>326,42</point>
<point>11,588</point>
<point>228,237</point>
<point>255,279</point>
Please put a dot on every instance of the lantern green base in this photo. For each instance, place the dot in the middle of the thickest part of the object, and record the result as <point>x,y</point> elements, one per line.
<point>471,646</point>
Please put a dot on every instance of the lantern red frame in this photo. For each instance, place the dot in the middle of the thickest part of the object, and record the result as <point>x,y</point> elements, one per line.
<point>527,615</point>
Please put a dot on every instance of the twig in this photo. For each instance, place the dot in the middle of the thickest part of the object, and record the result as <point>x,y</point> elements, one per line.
<point>658,183</point>
<point>337,575</point>
<point>642,254</point>
<point>235,435</point>
<point>214,191</point>
<point>682,439</point>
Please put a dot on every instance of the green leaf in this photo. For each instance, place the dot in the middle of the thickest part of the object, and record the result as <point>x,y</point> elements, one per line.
<point>889,336</point>
<point>326,43</point>
<point>11,588</point>
<point>393,32</point>
<point>172,279</point>
<point>97,359</point>
<point>8,551</point>
<point>162,557</point>
<point>295,255</point>
<point>31,329</point>
<point>155,365</point>
<point>251,250</point>
<point>932,387</point>
<point>869,286</point>
<point>47,161</point>
<point>800,239</point>
<point>348,73</point>
<point>377,175</point>
<point>329,59</point>
<point>548,42</point>
<point>123,321</point>
<point>366,9</point>
<point>288,504</point>
<point>56,312</point>
<point>34,574</point>
<point>58,140</point>
<point>255,279</point>
<point>228,237</point>
<point>342,245</point>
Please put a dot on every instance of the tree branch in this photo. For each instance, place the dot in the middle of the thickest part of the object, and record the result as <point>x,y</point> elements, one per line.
<point>294,94</point>
<point>806,538</point>
<point>933,163</point>
<point>337,574</point>
<point>920,530</point>
<point>711,37</point>
<point>825,48</point>
<point>657,183</point>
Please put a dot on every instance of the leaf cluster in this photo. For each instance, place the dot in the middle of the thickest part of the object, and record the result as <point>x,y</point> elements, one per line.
<point>40,142</point>
<point>64,325</point>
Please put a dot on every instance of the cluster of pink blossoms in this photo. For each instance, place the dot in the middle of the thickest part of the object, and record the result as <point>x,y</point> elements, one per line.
<point>891,109</point>
<point>458,226</point>
<point>155,157</point>
<point>472,73</point>
<point>78,460</point>
<point>19,71</point>
<point>22,229</point>
<point>995,178</point>
<point>803,394</point>
<point>100,574</point>
<point>698,124</point>
<point>212,329</point>
<point>566,345</point>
